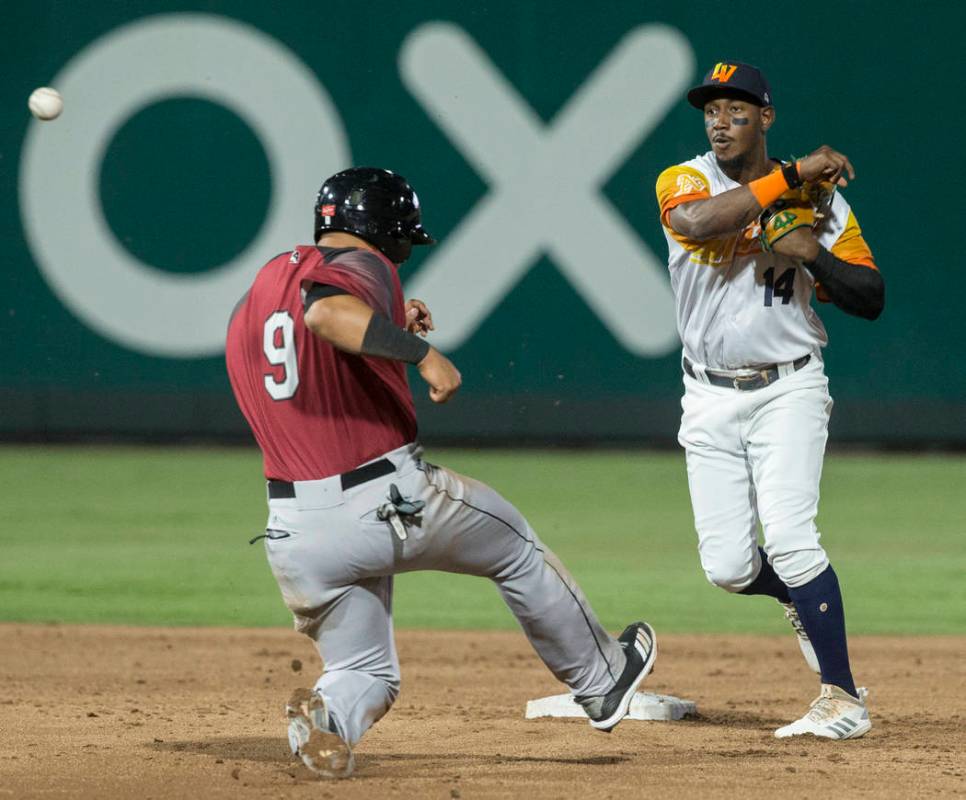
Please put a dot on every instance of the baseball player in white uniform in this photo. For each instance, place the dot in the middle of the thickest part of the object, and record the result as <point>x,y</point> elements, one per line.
<point>747,246</point>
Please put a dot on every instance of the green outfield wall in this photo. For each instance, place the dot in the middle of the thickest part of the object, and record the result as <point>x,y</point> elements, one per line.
<point>195,136</point>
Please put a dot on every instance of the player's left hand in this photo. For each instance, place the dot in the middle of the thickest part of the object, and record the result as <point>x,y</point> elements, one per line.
<point>418,318</point>
<point>800,244</point>
<point>787,226</point>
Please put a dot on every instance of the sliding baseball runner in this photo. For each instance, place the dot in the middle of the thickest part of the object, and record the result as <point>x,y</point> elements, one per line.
<point>317,353</point>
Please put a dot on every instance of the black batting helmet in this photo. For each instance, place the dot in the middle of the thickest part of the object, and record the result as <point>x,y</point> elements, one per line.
<point>375,204</point>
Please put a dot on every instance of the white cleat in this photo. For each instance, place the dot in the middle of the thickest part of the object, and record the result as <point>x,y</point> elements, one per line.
<point>312,738</point>
<point>804,643</point>
<point>834,714</point>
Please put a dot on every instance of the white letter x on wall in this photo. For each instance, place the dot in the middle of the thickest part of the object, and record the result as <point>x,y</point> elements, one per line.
<point>545,183</point>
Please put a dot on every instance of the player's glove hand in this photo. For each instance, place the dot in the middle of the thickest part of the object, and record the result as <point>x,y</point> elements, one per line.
<point>805,207</point>
<point>781,218</point>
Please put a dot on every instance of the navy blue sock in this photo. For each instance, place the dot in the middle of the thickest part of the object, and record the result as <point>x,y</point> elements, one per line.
<point>819,604</point>
<point>767,582</point>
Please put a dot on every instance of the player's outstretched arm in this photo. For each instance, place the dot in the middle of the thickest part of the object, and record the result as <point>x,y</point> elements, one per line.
<point>732,211</point>
<point>351,325</point>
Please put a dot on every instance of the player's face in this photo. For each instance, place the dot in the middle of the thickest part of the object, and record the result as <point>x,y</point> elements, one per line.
<point>734,127</point>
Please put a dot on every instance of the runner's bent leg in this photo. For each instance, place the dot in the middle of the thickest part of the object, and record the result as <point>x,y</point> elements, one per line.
<point>347,613</point>
<point>355,639</point>
<point>473,530</point>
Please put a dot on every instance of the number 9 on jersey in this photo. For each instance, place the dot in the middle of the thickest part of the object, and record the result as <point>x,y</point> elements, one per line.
<point>279,345</point>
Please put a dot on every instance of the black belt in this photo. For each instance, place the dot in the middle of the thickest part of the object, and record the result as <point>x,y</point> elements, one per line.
<point>280,490</point>
<point>747,383</point>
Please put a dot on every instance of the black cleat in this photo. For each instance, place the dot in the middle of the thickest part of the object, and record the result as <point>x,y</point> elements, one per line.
<point>640,645</point>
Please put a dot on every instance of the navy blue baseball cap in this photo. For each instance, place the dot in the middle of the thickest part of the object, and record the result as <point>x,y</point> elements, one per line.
<point>732,79</point>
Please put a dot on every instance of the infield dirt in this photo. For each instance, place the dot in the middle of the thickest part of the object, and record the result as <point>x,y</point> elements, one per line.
<point>163,713</point>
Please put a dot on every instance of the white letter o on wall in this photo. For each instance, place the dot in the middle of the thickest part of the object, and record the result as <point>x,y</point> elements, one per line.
<point>162,57</point>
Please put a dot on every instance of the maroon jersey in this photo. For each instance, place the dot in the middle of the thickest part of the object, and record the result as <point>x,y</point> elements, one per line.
<point>315,410</point>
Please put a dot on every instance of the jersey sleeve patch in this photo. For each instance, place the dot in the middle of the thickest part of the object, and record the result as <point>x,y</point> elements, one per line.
<point>678,185</point>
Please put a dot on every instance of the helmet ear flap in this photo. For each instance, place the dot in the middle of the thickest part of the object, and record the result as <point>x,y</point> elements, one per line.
<point>397,249</point>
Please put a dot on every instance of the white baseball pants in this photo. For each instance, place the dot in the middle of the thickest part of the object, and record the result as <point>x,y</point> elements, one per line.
<point>756,457</point>
<point>334,560</point>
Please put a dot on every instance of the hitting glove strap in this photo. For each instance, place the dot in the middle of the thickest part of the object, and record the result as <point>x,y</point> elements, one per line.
<point>855,288</point>
<point>385,340</point>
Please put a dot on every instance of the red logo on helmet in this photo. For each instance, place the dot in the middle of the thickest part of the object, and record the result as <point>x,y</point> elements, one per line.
<point>328,211</point>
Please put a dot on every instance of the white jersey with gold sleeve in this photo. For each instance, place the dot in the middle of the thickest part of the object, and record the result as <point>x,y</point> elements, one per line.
<point>737,305</point>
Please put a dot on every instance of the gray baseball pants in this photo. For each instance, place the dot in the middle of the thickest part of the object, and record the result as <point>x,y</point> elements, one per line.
<point>334,560</point>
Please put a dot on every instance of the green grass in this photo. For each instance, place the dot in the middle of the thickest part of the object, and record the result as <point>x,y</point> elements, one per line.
<point>159,536</point>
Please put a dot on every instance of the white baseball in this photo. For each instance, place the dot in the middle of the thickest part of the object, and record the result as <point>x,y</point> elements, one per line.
<point>45,103</point>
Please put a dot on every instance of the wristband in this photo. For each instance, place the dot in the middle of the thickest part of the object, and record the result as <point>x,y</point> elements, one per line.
<point>384,340</point>
<point>792,176</point>
<point>768,189</point>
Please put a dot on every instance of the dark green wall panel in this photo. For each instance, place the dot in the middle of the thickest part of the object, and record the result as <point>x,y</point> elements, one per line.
<point>184,183</point>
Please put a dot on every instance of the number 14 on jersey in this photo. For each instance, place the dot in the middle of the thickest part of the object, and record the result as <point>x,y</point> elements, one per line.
<point>784,287</point>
